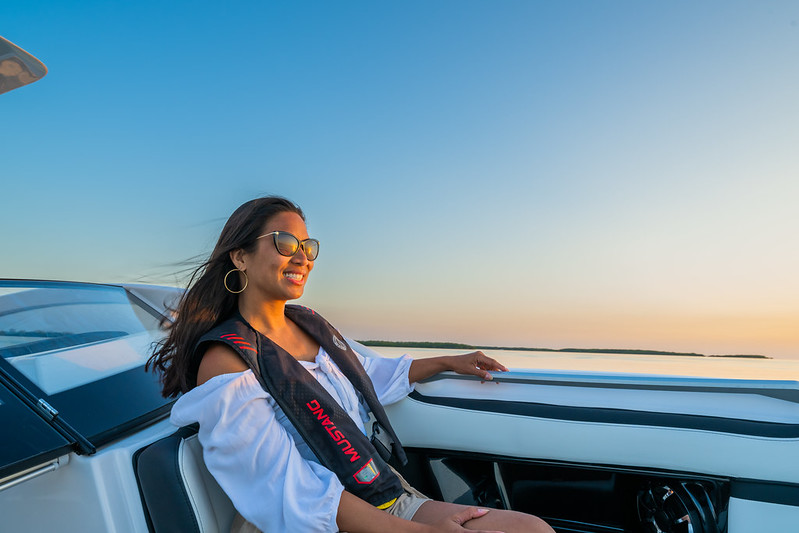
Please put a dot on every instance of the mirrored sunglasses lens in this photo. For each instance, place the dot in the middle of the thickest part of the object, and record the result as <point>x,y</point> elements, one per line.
<point>311,248</point>
<point>286,244</point>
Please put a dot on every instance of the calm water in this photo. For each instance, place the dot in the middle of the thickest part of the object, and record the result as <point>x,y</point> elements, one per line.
<point>717,367</point>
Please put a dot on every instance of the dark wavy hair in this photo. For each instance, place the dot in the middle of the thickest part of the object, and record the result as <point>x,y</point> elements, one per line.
<point>206,302</point>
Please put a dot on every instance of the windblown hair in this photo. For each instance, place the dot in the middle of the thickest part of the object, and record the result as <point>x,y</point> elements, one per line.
<point>206,303</point>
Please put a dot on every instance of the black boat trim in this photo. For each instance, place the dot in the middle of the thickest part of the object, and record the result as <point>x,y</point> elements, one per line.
<point>765,491</point>
<point>629,417</point>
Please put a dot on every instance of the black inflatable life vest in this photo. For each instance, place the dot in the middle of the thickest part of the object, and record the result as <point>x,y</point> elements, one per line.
<point>335,439</point>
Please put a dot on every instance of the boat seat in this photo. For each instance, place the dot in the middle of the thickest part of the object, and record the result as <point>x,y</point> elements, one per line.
<point>178,493</point>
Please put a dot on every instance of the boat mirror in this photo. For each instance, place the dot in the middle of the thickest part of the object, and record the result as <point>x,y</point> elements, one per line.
<point>17,67</point>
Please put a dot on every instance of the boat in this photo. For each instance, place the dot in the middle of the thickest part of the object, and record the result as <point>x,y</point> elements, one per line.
<point>87,444</point>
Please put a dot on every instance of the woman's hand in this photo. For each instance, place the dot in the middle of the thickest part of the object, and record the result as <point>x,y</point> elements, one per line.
<point>455,522</point>
<point>476,364</point>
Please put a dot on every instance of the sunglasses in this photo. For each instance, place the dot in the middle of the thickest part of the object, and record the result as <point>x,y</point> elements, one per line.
<point>287,244</point>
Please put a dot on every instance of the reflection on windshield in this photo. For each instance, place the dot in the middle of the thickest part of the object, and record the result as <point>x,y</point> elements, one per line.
<point>64,337</point>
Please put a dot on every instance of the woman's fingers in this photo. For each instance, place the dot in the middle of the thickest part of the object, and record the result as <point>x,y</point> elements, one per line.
<point>478,364</point>
<point>470,513</point>
<point>488,363</point>
<point>468,363</point>
<point>467,514</point>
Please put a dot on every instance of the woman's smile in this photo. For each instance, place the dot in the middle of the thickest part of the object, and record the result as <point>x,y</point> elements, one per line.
<point>295,277</point>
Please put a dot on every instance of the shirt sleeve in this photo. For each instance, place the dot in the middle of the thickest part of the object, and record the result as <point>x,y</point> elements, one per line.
<point>389,376</point>
<point>254,459</point>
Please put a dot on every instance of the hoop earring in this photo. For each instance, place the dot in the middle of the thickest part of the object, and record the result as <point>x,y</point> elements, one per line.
<point>246,281</point>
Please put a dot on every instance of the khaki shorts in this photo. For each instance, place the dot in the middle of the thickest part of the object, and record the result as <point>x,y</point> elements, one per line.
<point>405,507</point>
<point>408,503</point>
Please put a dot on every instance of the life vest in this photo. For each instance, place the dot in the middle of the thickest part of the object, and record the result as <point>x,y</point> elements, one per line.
<point>325,426</point>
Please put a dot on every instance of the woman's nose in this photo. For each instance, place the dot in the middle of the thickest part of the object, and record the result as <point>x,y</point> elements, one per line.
<point>299,257</point>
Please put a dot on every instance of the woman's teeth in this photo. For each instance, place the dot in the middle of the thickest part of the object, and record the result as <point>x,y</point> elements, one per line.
<point>293,276</point>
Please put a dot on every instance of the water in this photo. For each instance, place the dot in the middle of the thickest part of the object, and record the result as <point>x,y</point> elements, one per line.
<point>674,365</point>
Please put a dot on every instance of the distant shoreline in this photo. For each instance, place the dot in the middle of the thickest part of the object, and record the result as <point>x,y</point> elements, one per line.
<point>460,346</point>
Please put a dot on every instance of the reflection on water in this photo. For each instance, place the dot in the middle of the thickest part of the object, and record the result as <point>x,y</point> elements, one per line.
<point>675,365</point>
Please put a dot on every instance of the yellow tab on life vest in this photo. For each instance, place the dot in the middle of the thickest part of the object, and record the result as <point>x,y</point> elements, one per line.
<point>387,504</point>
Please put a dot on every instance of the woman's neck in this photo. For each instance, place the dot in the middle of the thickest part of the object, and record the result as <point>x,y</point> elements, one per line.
<point>266,317</point>
<point>270,320</point>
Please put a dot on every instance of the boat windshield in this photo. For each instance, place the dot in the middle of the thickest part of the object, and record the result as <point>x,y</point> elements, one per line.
<point>64,336</point>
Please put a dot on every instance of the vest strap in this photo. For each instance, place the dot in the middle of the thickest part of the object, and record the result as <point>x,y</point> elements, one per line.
<point>335,439</point>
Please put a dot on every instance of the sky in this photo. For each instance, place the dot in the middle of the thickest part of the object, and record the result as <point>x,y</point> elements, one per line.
<point>588,174</point>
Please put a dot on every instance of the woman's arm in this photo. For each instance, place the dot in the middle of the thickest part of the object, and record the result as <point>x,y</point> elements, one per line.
<point>389,376</point>
<point>474,363</point>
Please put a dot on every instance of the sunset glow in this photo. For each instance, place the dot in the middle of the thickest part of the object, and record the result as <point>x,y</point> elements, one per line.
<point>543,174</point>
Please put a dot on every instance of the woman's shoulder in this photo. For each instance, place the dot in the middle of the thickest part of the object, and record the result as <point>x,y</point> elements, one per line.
<point>219,359</point>
<point>216,398</point>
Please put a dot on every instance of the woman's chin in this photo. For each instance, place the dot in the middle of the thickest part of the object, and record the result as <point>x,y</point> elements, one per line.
<point>295,292</point>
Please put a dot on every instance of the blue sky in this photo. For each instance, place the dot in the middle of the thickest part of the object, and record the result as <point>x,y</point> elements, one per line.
<point>555,174</point>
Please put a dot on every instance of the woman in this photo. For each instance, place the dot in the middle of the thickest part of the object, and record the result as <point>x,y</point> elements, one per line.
<point>281,399</point>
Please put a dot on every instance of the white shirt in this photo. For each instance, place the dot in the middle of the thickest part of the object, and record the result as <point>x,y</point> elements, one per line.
<point>257,456</point>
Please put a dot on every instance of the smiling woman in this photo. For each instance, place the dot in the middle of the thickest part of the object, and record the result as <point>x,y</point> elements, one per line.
<point>282,400</point>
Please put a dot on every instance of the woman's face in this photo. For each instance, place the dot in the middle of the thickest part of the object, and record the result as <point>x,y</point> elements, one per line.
<point>273,276</point>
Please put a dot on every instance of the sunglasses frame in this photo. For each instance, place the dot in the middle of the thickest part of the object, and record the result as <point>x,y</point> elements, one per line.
<point>300,244</point>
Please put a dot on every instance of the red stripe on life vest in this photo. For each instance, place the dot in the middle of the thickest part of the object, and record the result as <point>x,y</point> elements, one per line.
<point>244,345</point>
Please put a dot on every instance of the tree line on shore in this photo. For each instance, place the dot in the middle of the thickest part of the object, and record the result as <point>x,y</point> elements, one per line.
<point>461,346</point>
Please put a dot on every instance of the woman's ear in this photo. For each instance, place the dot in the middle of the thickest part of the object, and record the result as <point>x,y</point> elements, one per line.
<point>237,256</point>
